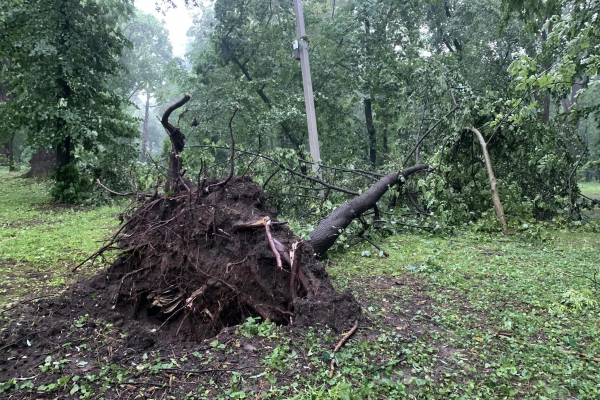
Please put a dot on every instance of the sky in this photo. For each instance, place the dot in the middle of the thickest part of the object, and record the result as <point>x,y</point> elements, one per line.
<point>177,21</point>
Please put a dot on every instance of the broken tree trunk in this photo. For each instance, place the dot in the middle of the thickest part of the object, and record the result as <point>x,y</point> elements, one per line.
<point>327,232</point>
<point>177,144</point>
<point>493,183</point>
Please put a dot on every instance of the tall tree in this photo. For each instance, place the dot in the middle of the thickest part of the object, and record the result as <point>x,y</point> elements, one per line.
<point>63,55</point>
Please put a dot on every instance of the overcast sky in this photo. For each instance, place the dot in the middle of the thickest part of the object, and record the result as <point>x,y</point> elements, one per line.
<point>177,21</point>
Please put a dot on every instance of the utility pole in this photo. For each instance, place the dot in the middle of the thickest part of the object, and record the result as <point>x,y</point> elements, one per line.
<point>301,53</point>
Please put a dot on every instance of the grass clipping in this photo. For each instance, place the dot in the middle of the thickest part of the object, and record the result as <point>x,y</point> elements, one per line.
<point>203,260</point>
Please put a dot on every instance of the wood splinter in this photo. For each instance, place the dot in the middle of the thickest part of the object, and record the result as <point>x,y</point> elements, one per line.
<point>339,345</point>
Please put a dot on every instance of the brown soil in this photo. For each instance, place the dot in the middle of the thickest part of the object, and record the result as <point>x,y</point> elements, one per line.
<point>183,274</point>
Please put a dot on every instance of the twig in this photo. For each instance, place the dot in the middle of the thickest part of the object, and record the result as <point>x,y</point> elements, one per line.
<point>375,245</point>
<point>427,133</point>
<point>122,194</point>
<point>362,172</point>
<point>223,183</point>
<point>281,166</point>
<point>339,345</point>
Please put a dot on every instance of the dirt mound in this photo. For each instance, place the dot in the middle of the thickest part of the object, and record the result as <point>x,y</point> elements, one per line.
<point>192,264</point>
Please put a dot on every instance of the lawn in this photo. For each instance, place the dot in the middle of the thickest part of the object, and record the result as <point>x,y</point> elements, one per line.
<point>467,316</point>
<point>590,189</point>
<point>40,242</point>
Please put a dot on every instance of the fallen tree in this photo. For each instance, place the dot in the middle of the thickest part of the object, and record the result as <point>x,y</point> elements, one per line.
<point>209,254</point>
<point>329,229</point>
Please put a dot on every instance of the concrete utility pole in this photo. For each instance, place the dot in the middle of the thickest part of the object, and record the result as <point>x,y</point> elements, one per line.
<point>313,136</point>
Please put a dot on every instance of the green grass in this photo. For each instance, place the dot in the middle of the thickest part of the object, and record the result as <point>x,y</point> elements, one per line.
<point>40,242</point>
<point>470,316</point>
<point>513,312</point>
<point>590,189</point>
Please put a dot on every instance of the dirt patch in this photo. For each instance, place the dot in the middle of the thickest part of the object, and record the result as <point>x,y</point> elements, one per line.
<point>185,271</point>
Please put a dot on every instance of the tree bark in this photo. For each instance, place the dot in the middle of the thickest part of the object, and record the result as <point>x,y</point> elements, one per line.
<point>177,146</point>
<point>145,129</point>
<point>327,232</point>
<point>546,111</point>
<point>493,184</point>
<point>11,153</point>
<point>63,151</point>
<point>372,133</point>
<point>368,102</point>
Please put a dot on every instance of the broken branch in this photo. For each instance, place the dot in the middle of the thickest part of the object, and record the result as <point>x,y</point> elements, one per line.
<point>339,345</point>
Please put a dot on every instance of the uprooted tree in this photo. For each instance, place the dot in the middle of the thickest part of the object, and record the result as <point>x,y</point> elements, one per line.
<point>210,253</point>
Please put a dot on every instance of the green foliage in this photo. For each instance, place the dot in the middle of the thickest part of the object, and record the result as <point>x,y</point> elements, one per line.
<point>576,301</point>
<point>61,56</point>
<point>253,327</point>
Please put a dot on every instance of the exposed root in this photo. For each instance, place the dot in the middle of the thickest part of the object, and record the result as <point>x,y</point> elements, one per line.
<point>191,263</point>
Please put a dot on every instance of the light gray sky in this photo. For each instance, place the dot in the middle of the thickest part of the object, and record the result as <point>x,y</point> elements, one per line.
<point>177,21</point>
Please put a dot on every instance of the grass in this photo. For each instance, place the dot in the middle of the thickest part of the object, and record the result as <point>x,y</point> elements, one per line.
<point>591,189</point>
<point>471,316</point>
<point>511,313</point>
<point>40,242</point>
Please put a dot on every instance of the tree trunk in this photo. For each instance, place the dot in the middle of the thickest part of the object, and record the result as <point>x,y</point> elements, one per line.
<point>368,101</point>
<point>63,152</point>
<point>11,153</point>
<point>327,232</point>
<point>493,183</point>
<point>177,146</point>
<point>372,133</point>
<point>145,129</point>
<point>385,140</point>
<point>546,112</point>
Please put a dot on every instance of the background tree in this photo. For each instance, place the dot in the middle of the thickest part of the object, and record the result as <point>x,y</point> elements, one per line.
<point>63,54</point>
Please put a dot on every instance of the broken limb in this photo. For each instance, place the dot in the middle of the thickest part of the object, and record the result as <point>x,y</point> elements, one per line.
<point>339,345</point>
<point>177,144</point>
<point>375,245</point>
<point>493,184</point>
<point>328,230</point>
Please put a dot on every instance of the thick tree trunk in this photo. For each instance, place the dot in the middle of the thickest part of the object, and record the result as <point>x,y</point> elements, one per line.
<point>372,133</point>
<point>493,183</point>
<point>63,152</point>
<point>145,129</point>
<point>327,232</point>
<point>41,164</point>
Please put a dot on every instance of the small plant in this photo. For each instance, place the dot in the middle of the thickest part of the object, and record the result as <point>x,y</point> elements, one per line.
<point>253,327</point>
<point>576,301</point>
